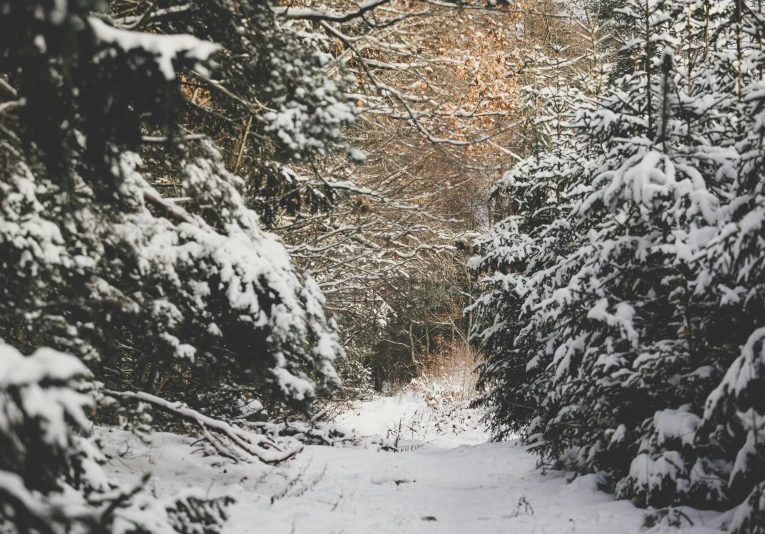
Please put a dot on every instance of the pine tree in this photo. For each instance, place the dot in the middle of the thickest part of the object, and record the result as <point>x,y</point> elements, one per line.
<point>732,424</point>
<point>101,266</point>
<point>607,348</point>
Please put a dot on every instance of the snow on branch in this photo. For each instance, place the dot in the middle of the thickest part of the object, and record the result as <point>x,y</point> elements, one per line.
<point>227,440</point>
<point>402,99</point>
<point>151,15</point>
<point>8,88</point>
<point>304,13</point>
<point>491,7</point>
<point>166,48</point>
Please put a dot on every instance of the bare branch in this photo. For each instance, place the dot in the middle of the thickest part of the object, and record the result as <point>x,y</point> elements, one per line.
<point>304,13</point>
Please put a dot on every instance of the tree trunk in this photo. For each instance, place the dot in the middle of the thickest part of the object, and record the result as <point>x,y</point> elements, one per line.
<point>411,344</point>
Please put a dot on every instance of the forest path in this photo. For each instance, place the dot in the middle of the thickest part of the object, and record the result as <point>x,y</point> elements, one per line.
<point>489,488</point>
<point>454,484</point>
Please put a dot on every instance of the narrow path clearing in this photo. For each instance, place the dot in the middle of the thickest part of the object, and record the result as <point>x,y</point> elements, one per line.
<point>466,489</point>
<point>470,489</point>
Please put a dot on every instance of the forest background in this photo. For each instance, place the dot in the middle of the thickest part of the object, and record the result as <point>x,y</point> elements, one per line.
<point>224,211</point>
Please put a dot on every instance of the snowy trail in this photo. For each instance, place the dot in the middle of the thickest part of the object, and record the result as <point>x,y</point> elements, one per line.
<point>484,488</point>
<point>471,489</point>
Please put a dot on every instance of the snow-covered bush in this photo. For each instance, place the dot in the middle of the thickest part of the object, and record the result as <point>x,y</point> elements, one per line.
<point>51,480</point>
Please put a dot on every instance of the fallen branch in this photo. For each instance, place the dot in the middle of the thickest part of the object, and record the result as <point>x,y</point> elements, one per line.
<point>228,440</point>
<point>170,210</point>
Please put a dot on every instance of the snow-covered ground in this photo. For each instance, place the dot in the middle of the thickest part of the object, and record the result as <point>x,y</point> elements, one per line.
<point>450,481</point>
<point>417,423</point>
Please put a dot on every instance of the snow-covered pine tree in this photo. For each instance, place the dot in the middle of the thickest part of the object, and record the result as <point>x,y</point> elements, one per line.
<point>98,264</point>
<point>611,331</point>
<point>592,73</point>
<point>537,194</point>
<point>733,424</point>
